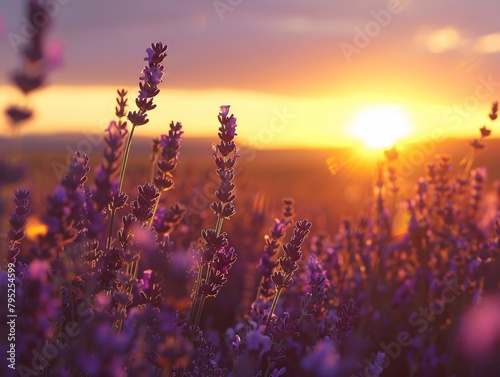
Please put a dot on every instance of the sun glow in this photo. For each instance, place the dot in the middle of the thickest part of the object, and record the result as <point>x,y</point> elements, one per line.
<point>381,126</point>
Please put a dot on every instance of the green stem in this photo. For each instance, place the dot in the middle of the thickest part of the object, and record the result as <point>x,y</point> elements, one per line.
<point>150,221</point>
<point>154,160</point>
<point>274,303</point>
<point>110,232</point>
<point>468,166</point>
<point>196,297</point>
<point>198,301</point>
<point>199,311</point>
<point>280,344</point>
<point>125,157</point>
<point>122,175</point>
<point>218,225</point>
<point>218,229</point>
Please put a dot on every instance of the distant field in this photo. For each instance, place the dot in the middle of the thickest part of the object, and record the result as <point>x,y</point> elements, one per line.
<point>265,175</point>
<point>375,265</point>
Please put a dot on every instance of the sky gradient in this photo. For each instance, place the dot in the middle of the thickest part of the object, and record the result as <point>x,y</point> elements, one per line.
<point>320,62</point>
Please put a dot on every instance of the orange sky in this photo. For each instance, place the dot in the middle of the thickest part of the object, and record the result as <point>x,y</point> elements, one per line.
<point>295,75</point>
<point>265,120</point>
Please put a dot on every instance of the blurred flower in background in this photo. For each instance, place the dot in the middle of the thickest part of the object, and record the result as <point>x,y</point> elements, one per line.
<point>479,336</point>
<point>53,52</point>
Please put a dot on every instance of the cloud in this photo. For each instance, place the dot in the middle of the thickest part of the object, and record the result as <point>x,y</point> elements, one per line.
<point>298,24</point>
<point>283,46</point>
<point>440,40</point>
<point>443,40</point>
<point>447,39</point>
<point>487,44</point>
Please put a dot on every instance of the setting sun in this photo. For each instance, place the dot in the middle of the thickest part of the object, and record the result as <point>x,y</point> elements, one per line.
<point>381,126</point>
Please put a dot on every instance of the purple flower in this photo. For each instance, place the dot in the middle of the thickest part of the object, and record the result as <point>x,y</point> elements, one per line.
<point>143,207</point>
<point>152,74</point>
<point>277,373</point>
<point>166,219</point>
<point>258,343</point>
<point>323,361</point>
<point>484,132</point>
<point>18,114</point>
<point>479,333</point>
<point>169,156</point>
<point>476,144</point>
<point>315,296</point>
<point>18,222</point>
<point>224,110</point>
<point>494,111</point>
<point>348,314</point>
<point>137,118</point>
<point>156,53</point>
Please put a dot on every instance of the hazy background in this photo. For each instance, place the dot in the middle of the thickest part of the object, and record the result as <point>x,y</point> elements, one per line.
<point>320,62</point>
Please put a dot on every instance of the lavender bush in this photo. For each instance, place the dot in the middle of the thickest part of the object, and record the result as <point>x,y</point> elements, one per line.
<point>95,294</point>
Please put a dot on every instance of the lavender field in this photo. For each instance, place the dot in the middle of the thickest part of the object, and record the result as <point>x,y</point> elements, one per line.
<point>188,255</point>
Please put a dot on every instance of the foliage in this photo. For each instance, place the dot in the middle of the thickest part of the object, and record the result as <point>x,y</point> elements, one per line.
<point>103,295</point>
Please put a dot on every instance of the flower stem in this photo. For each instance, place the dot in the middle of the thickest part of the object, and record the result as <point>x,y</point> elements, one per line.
<point>150,221</point>
<point>120,185</point>
<point>468,166</point>
<point>125,157</point>
<point>274,304</point>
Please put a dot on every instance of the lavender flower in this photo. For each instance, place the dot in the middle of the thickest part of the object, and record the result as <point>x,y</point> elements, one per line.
<point>166,219</point>
<point>106,196</point>
<point>18,221</point>
<point>216,259</point>
<point>168,159</point>
<point>318,284</point>
<point>494,111</point>
<point>148,86</point>
<point>126,302</point>
<point>169,156</point>
<point>292,254</point>
<point>148,89</point>
<point>288,262</point>
<point>477,144</point>
<point>323,361</point>
<point>348,314</point>
<point>34,67</point>
<point>225,155</point>
<point>18,114</point>
<point>203,363</point>
<point>273,242</point>
<point>66,208</point>
<point>143,208</point>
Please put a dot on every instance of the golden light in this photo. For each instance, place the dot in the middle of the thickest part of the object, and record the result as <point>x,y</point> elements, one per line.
<point>443,40</point>
<point>35,229</point>
<point>381,126</point>
<point>488,44</point>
